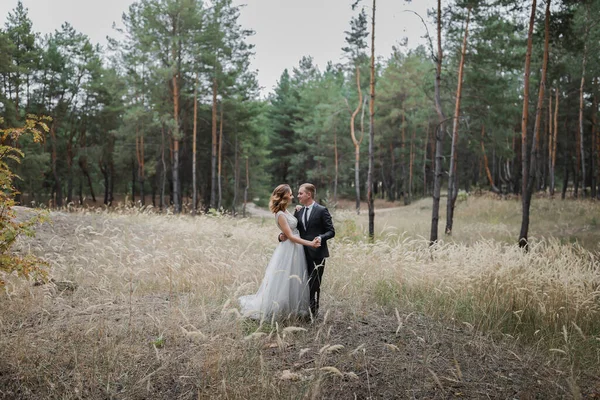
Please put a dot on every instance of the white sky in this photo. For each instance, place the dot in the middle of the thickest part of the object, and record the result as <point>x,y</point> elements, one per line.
<point>286,30</point>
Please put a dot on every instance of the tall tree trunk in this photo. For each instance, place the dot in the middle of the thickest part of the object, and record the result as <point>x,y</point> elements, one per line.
<point>536,172</point>
<point>392,189</point>
<point>565,186</point>
<point>85,170</point>
<point>142,191</point>
<point>439,134</point>
<point>236,177</point>
<point>577,168</point>
<point>111,169</point>
<point>495,174</point>
<point>175,191</point>
<point>486,164</point>
<point>516,166</point>
<point>554,146</point>
<point>80,191</point>
<point>335,157</point>
<point>70,158</point>
<point>28,90</point>
<point>542,167</point>
<point>403,160</point>
<point>371,134</point>
<point>479,172</point>
<point>385,185</point>
<point>133,181</point>
<point>176,59</point>
<point>529,175</point>
<point>246,188</point>
<point>213,160</point>
<point>107,167</point>
<point>164,170</point>
<point>219,161</point>
<point>581,105</point>
<point>104,170</point>
<point>593,155</point>
<point>57,184</point>
<point>139,150</point>
<point>550,144</point>
<point>17,89</point>
<point>425,162</point>
<point>452,178</point>
<point>194,169</point>
<point>153,188</point>
<point>69,172</point>
<point>432,149</point>
<point>598,162</point>
<point>357,142</point>
<point>411,161</point>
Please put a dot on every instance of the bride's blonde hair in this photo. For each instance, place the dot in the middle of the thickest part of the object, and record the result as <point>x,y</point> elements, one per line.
<point>278,201</point>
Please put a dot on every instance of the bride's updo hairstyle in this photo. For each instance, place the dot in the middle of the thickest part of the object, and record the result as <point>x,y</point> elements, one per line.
<point>279,201</point>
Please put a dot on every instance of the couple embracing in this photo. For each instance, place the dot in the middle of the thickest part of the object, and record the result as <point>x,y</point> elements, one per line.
<point>292,282</point>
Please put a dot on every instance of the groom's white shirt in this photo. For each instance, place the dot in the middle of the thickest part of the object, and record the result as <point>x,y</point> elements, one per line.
<point>307,210</point>
<point>306,215</point>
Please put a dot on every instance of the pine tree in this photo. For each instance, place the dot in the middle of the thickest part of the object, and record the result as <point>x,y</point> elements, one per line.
<point>355,52</point>
<point>24,54</point>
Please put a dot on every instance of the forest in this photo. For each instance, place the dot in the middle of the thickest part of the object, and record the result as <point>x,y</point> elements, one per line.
<point>171,114</point>
<point>124,170</point>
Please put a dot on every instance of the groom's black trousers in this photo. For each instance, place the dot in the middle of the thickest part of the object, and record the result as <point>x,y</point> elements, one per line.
<point>315,275</point>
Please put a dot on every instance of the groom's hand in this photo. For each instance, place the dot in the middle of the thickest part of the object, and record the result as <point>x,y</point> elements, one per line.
<point>282,237</point>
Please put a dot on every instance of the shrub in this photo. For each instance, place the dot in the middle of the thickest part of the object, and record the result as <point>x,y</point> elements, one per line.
<point>10,227</point>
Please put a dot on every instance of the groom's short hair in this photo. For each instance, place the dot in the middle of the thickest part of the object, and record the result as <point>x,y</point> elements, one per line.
<point>310,188</point>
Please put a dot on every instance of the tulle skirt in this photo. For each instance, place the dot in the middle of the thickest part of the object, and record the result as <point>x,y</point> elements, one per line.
<point>284,290</point>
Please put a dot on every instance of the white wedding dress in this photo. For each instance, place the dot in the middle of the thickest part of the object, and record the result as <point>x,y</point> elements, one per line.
<point>284,289</point>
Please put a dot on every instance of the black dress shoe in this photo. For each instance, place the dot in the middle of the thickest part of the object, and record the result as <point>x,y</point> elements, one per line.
<point>304,318</point>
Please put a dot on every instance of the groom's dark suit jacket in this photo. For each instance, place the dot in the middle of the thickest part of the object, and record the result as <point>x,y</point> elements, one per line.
<point>319,224</point>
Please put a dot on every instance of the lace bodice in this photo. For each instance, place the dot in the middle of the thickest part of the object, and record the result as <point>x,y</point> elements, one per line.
<point>292,221</point>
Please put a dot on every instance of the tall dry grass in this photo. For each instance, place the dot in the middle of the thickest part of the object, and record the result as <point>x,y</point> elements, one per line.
<point>489,218</point>
<point>481,267</point>
<point>154,310</point>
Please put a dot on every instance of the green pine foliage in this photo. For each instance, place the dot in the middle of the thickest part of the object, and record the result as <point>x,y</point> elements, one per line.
<point>103,101</point>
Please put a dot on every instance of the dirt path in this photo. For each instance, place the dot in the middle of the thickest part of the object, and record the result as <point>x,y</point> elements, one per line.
<point>258,212</point>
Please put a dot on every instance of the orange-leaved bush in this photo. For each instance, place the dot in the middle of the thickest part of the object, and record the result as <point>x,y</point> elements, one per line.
<point>10,227</point>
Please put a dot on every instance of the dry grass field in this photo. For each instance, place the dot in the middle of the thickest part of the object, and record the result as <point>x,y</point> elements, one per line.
<point>144,306</point>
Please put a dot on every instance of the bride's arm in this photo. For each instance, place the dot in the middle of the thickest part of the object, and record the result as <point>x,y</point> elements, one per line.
<point>285,228</point>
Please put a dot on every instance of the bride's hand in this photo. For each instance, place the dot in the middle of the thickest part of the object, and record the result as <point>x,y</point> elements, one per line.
<point>298,207</point>
<point>316,243</point>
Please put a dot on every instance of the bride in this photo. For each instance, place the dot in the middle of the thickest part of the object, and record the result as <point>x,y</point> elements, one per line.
<point>284,290</point>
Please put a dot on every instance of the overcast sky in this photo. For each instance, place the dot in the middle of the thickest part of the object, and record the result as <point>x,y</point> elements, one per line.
<point>286,30</point>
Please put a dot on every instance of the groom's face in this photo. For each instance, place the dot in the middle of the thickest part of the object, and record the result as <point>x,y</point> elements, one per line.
<point>303,196</point>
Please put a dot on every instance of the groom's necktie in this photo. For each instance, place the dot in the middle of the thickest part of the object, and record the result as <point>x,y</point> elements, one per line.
<point>305,217</point>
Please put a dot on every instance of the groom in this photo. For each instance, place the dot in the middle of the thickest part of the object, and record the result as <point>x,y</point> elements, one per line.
<point>314,221</point>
